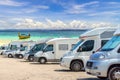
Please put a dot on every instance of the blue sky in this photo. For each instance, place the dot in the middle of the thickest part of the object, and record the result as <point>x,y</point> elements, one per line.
<point>57,13</point>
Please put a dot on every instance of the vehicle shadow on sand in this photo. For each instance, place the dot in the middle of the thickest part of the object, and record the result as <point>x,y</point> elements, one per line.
<point>88,79</point>
<point>34,63</point>
<point>24,61</point>
<point>65,70</point>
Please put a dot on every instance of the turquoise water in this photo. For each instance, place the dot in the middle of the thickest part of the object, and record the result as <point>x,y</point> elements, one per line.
<point>40,34</point>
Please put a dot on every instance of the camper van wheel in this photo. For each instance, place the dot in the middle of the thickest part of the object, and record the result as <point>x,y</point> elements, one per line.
<point>10,56</point>
<point>42,60</point>
<point>114,73</point>
<point>1,53</point>
<point>20,56</point>
<point>31,58</point>
<point>76,66</point>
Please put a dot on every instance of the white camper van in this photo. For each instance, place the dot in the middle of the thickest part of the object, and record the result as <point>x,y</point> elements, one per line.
<point>13,47</point>
<point>29,56</point>
<point>90,42</point>
<point>54,50</point>
<point>27,45</point>
<point>106,63</point>
<point>3,48</point>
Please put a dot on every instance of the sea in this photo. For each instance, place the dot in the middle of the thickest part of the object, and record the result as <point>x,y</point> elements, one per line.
<point>39,34</point>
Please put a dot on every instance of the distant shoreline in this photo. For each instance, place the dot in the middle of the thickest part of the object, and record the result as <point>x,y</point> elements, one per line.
<point>43,30</point>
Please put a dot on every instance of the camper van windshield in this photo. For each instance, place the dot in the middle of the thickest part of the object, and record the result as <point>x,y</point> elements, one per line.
<point>38,47</point>
<point>110,45</point>
<point>76,45</point>
<point>23,48</point>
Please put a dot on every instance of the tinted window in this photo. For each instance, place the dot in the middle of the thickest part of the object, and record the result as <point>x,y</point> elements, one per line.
<point>48,48</point>
<point>76,45</point>
<point>118,50</point>
<point>87,46</point>
<point>63,46</point>
<point>13,47</point>
<point>73,45</point>
<point>23,48</point>
<point>38,47</point>
<point>103,42</point>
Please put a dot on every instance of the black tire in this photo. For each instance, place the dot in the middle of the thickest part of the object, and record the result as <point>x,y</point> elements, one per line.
<point>31,58</point>
<point>114,73</point>
<point>42,60</point>
<point>1,53</point>
<point>76,66</point>
<point>20,56</point>
<point>102,78</point>
<point>10,56</point>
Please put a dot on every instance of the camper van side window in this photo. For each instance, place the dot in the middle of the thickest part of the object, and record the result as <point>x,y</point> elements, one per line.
<point>13,47</point>
<point>87,46</point>
<point>49,48</point>
<point>103,42</point>
<point>63,46</point>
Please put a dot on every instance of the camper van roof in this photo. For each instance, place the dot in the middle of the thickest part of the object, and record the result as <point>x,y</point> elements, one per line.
<point>97,31</point>
<point>43,40</point>
<point>117,32</point>
<point>21,42</point>
<point>58,39</point>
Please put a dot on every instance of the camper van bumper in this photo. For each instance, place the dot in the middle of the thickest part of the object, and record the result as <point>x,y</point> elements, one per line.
<point>36,59</point>
<point>96,68</point>
<point>26,56</point>
<point>65,62</point>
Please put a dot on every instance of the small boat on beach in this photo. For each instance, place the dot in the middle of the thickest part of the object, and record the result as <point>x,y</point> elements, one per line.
<point>23,36</point>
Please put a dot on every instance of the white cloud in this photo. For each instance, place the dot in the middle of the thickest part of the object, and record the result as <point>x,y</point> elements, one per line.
<point>11,3</point>
<point>30,9</point>
<point>73,8</point>
<point>49,24</point>
<point>41,7</point>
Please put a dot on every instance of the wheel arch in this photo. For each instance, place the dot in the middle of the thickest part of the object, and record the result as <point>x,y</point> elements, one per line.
<point>111,66</point>
<point>44,58</point>
<point>80,60</point>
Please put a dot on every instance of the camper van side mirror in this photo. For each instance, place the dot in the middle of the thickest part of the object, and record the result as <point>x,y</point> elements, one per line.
<point>93,52</point>
<point>53,52</point>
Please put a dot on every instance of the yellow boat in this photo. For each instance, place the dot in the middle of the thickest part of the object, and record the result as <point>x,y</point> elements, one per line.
<point>23,36</point>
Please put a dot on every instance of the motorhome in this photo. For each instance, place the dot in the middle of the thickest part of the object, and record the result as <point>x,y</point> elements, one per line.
<point>28,45</point>
<point>90,42</point>
<point>54,50</point>
<point>2,49</point>
<point>106,62</point>
<point>13,47</point>
<point>36,48</point>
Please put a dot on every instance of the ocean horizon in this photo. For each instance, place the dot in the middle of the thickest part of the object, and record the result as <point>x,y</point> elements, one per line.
<point>37,34</point>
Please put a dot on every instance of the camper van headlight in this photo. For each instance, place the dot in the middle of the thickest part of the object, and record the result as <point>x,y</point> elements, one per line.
<point>101,56</point>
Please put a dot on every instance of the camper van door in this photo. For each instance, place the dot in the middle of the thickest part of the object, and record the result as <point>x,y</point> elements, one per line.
<point>86,49</point>
<point>49,52</point>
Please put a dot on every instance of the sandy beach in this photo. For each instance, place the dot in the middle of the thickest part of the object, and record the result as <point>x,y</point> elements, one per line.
<point>19,69</point>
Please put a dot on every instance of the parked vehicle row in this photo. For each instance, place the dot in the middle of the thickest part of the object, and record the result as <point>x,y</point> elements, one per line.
<point>96,51</point>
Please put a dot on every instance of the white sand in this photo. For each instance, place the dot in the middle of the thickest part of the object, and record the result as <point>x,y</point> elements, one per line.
<point>16,69</point>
